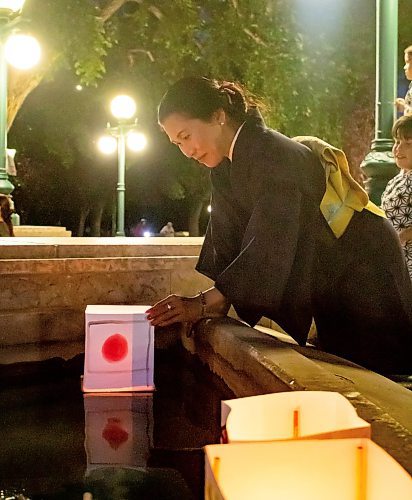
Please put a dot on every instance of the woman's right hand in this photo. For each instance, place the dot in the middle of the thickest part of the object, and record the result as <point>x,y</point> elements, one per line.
<point>175,309</point>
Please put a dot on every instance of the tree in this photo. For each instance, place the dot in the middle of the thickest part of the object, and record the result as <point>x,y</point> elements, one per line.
<point>139,36</point>
<point>310,82</point>
<point>182,38</point>
<point>70,34</point>
<point>338,83</point>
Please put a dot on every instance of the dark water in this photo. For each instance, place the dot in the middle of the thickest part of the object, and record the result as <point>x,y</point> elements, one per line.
<point>57,444</point>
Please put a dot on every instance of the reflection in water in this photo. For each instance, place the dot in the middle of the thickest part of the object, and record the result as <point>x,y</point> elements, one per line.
<point>114,433</point>
<point>118,429</point>
<point>60,444</point>
<point>122,483</point>
<point>13,495</point>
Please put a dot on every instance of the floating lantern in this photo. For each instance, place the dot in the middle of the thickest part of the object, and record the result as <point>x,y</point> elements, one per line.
<point>119,352</point>
<point>291,415</point>
<point>324,469</point>
<point>118,429</point>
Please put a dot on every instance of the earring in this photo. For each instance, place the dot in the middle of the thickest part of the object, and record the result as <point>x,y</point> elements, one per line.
<point>221,124</point>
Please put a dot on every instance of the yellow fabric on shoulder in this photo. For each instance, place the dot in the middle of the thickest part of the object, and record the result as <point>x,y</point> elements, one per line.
<point>343,194</point>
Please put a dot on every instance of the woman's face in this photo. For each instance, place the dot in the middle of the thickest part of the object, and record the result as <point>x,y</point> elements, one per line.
<point>204,141</point>
<point>402,151</point>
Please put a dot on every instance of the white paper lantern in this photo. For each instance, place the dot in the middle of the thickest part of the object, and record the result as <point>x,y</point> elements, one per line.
<point>324,469</point>
<point>119,351</point>
<point>291,415</point>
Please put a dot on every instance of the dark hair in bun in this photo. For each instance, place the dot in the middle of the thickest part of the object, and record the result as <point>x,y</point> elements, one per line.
<point>198,97</point>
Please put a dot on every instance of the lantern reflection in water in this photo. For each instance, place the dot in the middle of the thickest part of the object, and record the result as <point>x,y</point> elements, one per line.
<point>118,429</point>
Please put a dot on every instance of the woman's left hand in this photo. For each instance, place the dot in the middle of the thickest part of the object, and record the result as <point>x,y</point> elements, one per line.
<point>175,309</point>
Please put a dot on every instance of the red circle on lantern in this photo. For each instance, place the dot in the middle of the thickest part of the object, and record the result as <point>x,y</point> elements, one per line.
<point>115,348</point>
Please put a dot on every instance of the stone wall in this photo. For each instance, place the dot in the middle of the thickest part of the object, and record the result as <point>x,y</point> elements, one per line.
<point>49,231</point>
<point>48,282</point>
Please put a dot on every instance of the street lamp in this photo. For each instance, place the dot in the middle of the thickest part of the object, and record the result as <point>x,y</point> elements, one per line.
<point>379,164</point>
<point>123,109</point>
<point>11,7</point>
<point>30,50</point>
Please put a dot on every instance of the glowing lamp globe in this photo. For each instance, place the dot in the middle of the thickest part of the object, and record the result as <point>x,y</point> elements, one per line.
<point>123,107</point>
<point>107,144</point>
<point>136,141</point>
<point>11,5</point>
<point>22,51</point>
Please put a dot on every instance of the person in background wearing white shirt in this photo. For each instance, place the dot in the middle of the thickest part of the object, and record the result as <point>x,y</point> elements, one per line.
<point>167,230</point>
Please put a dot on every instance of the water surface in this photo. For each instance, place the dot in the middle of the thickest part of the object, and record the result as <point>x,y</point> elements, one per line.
<point>58,444</point>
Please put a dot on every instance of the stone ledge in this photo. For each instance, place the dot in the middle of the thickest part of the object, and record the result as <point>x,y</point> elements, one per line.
<point>40,326</point>
<point>39,351</point>
<point>42,231</point>
<point>61,247</point>
<point>90,265</point>
<point>251,362</point>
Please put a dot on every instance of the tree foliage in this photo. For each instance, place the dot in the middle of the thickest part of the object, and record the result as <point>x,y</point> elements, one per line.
<point>318,82</point>
<point>249,42</point>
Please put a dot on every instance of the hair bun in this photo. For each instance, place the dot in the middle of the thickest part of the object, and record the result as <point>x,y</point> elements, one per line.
<point>229,87</point>
<point>200,97</point>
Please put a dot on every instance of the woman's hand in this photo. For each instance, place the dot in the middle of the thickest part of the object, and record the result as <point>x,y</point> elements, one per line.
<point>175,309</point>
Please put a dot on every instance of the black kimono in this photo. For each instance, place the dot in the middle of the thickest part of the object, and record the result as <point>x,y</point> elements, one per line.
<point>271,253</point>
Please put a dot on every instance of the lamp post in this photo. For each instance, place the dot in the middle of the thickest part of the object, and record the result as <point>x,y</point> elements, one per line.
<point>123,109</point>
<point>379,164</point>
<point>30,50</point>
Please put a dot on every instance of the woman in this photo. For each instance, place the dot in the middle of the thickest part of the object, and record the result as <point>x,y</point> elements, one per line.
<point>269,248</point>
<point>397,197</point>
<point>6,226</point>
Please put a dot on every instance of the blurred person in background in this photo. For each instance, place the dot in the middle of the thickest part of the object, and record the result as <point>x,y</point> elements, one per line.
<point>6,211</point>
<point>167,230</point>
<point>140,229</point>
<point>397,197</point>
<point>404,105</point>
